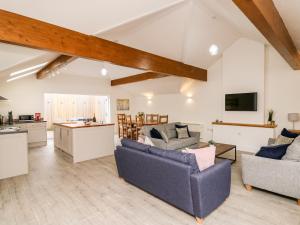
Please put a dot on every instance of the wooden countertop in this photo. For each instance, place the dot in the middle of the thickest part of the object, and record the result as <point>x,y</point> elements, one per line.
<point>82,125</point>
<point>245,124</point>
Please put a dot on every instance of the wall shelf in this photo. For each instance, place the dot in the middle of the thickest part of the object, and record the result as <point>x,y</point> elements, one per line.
<point>245,124</point>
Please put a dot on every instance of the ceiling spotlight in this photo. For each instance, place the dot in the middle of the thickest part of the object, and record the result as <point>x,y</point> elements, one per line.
<point>104,71</point>
<point>213,49</point>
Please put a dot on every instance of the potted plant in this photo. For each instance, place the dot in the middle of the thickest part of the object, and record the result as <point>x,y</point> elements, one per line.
<point>270,117</point>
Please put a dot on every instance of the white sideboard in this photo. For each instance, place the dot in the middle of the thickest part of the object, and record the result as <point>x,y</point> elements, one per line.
<point>37,133</point>
<point>245,137</point>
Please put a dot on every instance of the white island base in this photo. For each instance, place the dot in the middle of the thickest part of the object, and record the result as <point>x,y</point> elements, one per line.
<point>84,142</point>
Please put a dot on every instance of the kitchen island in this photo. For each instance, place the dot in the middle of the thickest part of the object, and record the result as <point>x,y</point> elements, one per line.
<point>84,142</point>
<point>13,152</point>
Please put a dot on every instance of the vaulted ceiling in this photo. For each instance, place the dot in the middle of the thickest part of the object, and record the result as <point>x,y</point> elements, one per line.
<point>181,30</point>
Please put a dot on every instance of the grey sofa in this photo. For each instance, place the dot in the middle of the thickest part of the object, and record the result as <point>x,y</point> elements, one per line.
<point>174,143</point>
<point>197,193</point>
<point>279,176</point>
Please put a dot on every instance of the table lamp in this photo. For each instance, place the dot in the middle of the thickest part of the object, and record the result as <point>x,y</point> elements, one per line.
<point>293,117</point>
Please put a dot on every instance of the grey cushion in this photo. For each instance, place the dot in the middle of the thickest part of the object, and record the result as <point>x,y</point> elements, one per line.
<point>282,140</point>
<point>186,158</point>
<point>293,151</point>
<point>171,130</point>
<point>135,145</point>
<point>182,133</point>
<point>164,136</point>
<point>175,143</point>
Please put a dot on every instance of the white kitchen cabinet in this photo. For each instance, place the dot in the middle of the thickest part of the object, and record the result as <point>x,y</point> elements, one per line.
<point>13,155</point>
<point>84,142</point>
<point>63,139</point>
<point>37,133</point>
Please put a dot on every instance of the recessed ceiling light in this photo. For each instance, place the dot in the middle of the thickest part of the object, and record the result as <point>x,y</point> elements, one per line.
<point>21,76</point>
<point>104,71</point>
<point>28,69</point>
<point>213,49</point>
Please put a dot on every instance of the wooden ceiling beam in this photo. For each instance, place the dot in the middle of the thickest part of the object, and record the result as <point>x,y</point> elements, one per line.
<point>137,78</point>
<point>24,31</point>
<point>264,15</point>
<point>57,63</point>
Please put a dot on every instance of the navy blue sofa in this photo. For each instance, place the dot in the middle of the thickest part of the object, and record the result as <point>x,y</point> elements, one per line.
<point>172,177</point>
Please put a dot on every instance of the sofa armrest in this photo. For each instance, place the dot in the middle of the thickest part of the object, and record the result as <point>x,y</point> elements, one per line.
<point>280,176</point>
<point>159,143</point>
<point>210,188</point>
<point>195,134</point>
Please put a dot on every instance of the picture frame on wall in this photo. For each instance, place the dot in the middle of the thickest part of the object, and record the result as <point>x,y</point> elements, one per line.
<point>122,104</point>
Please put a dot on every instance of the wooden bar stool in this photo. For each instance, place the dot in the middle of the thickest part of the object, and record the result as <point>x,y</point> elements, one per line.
<point>138,126</point>
<point>155,119</point>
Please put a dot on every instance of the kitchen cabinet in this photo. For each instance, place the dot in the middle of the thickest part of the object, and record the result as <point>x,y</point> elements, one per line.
<point>37,133</point>
<point>84,142</point>
<point>13,154</point>
<point>63,139</point>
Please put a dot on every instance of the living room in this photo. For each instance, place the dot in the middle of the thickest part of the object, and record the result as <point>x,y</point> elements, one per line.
<point>216,49</point>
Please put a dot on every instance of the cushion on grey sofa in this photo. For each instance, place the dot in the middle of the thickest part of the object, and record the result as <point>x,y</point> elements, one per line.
<point>135,145</point>
<point>178,156</point>
<point>293,151</point>
<point>175,143</point>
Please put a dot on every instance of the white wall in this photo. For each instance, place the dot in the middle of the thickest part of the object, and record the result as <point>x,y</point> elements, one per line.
<point>204,106</point>
<point>245,66</point>
<point>27,95</point>
<point>243,71</point>
<point>282,89</point>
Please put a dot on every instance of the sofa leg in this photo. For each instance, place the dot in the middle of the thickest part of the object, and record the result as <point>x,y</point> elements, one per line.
<point>248,187</point>
<point>299,202</point>
<point>199,220</point>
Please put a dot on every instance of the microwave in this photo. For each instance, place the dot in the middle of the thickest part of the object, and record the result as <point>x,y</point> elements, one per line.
<point>26,117</point>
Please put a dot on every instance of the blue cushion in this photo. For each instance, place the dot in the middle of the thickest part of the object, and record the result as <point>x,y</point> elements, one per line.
<point>182,126</point>
<point>272,152</point>
<point>135,145</point>
<point>288,134</point>
<point>186,158</point>
<point>154,133</point>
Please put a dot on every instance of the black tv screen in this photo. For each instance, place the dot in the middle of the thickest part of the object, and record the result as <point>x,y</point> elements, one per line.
<point>241,102</point>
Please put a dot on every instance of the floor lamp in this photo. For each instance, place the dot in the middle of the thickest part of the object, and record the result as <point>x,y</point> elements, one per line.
<point>293,117</point>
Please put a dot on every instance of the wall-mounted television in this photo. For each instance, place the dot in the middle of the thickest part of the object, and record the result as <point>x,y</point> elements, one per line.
<point>241,102</point>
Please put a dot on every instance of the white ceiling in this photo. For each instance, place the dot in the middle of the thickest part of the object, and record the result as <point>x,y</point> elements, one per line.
<point>86,16</point>
<point>289,11</point>
<point>178,29</point>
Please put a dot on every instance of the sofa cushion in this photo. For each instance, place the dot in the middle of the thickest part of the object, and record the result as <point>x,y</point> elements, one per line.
<point>205,156</point>
<point>178,156</point>
<point>182,133</point>
<point>272,152</point>
<point>282,140</point>
<point>171,130</point>
<point>288,134</point>
<point>155,134</point>
<point>164,136</point>
<point>135,145</point>
<point>182,126</point>
<point>175,143</point>
<point>293,151</point>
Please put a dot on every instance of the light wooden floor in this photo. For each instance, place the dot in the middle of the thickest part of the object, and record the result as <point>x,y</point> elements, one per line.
<point>57,192</point>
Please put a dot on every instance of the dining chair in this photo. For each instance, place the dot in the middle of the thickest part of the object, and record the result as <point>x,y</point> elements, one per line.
<point>148,118</point>
<point>163,119</point>
<point>138,126</point>
<point>155,119</point>
<point>129,126</point>
<point>121,124</point>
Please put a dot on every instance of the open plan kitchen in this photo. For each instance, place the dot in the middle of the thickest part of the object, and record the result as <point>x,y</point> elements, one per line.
<point>82,134</point>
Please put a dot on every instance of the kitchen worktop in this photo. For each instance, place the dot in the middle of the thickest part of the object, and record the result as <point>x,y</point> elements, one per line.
<point>82,125</point>
<point>4,130</point>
